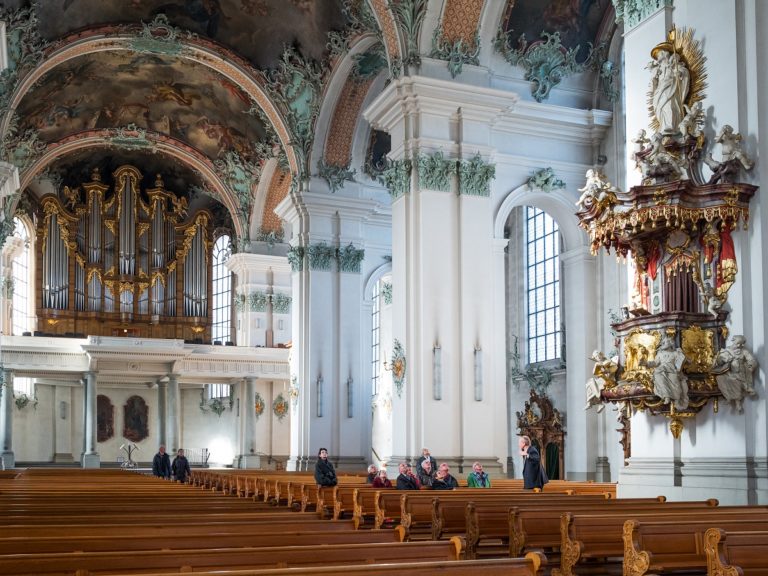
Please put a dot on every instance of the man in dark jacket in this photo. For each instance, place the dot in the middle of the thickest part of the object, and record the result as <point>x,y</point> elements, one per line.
<point>161,464</point>
<point>406,480</point>
<point>443,479</point>
<point>180,467</point>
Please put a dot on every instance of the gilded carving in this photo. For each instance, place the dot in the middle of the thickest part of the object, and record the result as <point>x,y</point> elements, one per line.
<point>570,551</point>
<point>715,566</point>
<point>699,348</point>
<point>640,347</point>
<point>635,563</point>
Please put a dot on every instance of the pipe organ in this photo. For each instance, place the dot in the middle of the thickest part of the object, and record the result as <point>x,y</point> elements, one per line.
<point>123,261</point>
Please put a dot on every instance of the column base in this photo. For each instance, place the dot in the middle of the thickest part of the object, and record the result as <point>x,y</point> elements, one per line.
<point>8,460</point>
<point>91,461</point>
<point>298,463</point>
<point>249,461</point>
<point>63,458</point>
<point>603,472</point>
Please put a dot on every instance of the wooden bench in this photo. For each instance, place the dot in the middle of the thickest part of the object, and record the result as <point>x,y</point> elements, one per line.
<point>229,558</point>
<point>118,542</point>
<point>665,547</point>
<point>531,565</point>
<point>732,553</point>
<point>599,534</point>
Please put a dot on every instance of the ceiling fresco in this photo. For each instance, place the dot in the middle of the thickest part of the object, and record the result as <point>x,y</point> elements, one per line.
<point>577,21</point>
<point>258,30</point>
<point>174,97</point>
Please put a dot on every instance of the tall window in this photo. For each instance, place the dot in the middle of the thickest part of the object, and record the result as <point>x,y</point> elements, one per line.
<point>222,291</point>
<point>21,284</point>
<point>542,240</point>
<point>376,336</point>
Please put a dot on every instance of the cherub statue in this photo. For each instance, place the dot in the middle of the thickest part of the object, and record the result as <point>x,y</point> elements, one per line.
<point>641,142</point>
<point>597,190</point>
<point>734,368</point>
<point>732,156</point>
<point>712,302</point>
<point>669,382</point>
<point>604,373</point>
<point>693,121</point>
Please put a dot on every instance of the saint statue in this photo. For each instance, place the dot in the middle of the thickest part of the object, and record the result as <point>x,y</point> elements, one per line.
<point>669,382</point>
<point>734,367</point>
<point>604,373</point>
<point>669,87</point>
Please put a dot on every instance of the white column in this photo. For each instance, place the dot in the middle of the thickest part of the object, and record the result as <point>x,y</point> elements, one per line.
<point>173,427</point>
<point>580,313</point>
<point>249,457</point>
<point>91,457</point>
<point>63,427</point>
<point>6,414</point>
<point>162,408</point>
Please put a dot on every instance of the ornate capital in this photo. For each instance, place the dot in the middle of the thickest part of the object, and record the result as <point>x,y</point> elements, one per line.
<point>281,303</point>
<point>350,258</point>
<point>435,171</point>
<point>633,12</point>
<point>296,257</point>
<point>397,178</point>
<point>320,256</point>
<point>475,177</point>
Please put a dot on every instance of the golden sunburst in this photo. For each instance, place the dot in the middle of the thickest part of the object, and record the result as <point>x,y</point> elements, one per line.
<point>691,52</point>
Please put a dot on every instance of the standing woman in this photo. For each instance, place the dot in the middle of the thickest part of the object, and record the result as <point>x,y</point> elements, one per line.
<point>325,475</point>
<point>533,473</point>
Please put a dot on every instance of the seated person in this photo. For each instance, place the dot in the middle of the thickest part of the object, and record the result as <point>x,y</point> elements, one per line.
<point>372,473</point>
<point>406,480</point>
<point>381,480</point>
<point>477,478</point>
<point>443,479</point>
<point>426,473</point>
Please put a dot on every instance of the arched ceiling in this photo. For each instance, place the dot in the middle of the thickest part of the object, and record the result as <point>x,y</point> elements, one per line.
<point>202,109</point>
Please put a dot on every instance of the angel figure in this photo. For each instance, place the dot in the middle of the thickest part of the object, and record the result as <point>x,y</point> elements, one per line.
<point>597,190</point>
<point>732,156</point>
<point>712,301</point>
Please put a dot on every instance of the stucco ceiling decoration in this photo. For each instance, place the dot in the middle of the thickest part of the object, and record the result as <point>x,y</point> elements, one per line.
<point>461,19</point>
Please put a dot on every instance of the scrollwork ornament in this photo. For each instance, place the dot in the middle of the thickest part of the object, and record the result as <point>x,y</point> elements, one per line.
<point>545,180</point>
<point>335,175</point>
<point>258,405</point>
<point>633,12</point>
<point>398,367</point>
<point>635,563</point>
<point>456,53</point>
<point>409,15</point>
<point>280,407</point>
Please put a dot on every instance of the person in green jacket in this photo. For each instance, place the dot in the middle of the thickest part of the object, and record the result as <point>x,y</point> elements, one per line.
<point>477,478</point>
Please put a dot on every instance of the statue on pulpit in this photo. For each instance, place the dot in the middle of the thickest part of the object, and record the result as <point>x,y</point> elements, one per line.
<point>597,191</point>
<point>732,156</point>
<point>669,382</point>
<point>604,374</point>
<point>712,302</point>
<point>734,367</point>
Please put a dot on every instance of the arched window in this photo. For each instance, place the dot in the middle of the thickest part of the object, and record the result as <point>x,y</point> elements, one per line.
<point>222,290</point>
<point>542,287</point>
<point>22,299</point>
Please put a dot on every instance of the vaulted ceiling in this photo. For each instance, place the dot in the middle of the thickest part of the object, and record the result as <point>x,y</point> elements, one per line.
<point>207,92</point>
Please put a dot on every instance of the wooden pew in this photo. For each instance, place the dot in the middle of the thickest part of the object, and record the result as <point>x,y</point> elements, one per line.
<point>387,507</point>
<point>118,542</point>
<point>734,553</point>
<point>531,565</point>
<point>592,535</point>
<point>664,547</point>
<point>229,558</point>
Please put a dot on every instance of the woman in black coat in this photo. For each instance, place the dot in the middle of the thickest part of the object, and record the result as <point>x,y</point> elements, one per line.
<point>533,473</point>
<point>325,475</point>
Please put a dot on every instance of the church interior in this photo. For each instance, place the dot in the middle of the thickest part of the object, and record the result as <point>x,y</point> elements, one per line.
<point>221,220</point>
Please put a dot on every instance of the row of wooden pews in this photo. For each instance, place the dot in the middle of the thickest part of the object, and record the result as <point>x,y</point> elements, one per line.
<point>115,522</point>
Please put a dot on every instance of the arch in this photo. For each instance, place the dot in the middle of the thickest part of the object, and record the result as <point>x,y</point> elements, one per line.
<point>374,277</point>
<point>217,58</point>
<point>339,77</point>
<point>390,31</point>
<point>490,19</point>
<point>162,144</point>
<point>556,204</point>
